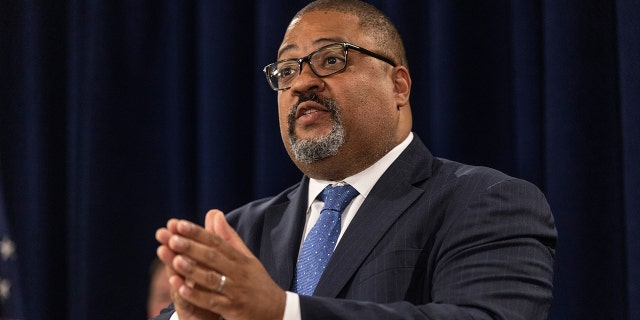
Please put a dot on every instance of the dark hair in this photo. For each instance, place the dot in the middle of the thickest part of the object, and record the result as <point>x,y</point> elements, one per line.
<point>372,20</point>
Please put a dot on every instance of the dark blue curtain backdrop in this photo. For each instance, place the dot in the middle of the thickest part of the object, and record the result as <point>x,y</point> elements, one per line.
<point>117,115</point>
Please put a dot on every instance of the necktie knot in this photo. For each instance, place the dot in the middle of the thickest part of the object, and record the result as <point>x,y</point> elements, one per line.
<point>338,197</point>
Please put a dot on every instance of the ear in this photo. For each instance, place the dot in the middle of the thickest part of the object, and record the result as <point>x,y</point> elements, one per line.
<point>402,85</point>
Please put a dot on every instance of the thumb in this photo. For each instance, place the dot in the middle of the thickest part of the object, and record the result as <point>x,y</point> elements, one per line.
<point>215,222</point>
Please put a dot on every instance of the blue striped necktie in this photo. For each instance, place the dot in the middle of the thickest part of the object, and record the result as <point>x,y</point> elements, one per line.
<point>321,240</point>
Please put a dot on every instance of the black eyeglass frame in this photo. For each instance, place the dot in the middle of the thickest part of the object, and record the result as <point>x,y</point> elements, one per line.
<point>345,45</point>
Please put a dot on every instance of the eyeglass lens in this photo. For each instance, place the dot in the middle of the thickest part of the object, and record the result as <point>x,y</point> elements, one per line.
<point>324,61</point>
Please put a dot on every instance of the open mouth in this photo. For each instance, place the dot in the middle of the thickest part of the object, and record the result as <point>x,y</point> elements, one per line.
<point>309,107</point>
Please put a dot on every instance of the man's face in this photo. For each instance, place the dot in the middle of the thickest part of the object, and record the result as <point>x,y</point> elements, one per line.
<point>337,125</point>
<point>159,293</point>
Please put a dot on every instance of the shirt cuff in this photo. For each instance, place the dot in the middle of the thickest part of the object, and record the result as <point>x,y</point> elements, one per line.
<point>292,307</point>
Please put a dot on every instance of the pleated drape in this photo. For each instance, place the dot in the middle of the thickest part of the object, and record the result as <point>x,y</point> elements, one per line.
<point>116,115</point>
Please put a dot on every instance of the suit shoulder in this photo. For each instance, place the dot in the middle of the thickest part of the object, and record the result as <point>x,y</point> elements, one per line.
<point>254,210</point>
<point>478,176</point>
<point>466,188</point>
<point>462,184</point>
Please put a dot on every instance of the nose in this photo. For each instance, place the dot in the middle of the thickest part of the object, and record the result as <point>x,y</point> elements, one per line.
<point>306,81</point>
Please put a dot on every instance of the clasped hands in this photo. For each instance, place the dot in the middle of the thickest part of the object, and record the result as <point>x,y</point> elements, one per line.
<point>213,274</point>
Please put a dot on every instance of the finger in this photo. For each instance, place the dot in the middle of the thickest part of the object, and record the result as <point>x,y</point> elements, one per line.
<point>216,221</point>
<point>204,246</point>
<point>185,309</point>
<point>168,258</point>
<point>175,282</point>
<point>219,256</point>
<point>209,250</point>
<point>179,244</point>
<point>163,235</point>
<point>208,222</point>
<point>211,301</point>
<point>182,306</point>
<point>216,227</point>
<point>195,232</point>
<point>165,255</point>
<point>207,279</point>
<point>171,225</point>
<point>163,252</point>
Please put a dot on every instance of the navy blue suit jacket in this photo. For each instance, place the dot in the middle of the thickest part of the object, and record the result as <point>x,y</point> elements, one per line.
<point>434,239</point>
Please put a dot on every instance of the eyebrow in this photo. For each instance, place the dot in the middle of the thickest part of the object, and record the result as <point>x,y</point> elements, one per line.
<point>318,41</point>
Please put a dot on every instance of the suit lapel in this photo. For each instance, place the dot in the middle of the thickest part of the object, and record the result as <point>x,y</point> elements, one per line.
<point>283,227</point>
<point>386,202</point>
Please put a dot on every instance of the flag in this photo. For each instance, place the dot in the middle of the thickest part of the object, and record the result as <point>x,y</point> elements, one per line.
<point>10,295</point>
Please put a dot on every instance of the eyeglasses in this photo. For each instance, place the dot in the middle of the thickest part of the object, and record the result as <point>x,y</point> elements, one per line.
<point>324,62</point>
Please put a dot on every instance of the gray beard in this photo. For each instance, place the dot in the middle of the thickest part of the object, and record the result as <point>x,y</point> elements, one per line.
<point>316,149</point>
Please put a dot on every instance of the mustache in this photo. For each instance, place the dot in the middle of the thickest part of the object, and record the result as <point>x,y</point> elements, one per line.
<point>329,104</point>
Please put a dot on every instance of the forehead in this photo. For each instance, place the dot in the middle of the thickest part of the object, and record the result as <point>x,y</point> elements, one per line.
<point>317,28</point>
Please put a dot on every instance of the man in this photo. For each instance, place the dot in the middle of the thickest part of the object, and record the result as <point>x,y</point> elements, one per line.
<point>424,238</point>
<point>159,295</point>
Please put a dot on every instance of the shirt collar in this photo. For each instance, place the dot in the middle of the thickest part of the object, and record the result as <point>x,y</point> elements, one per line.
<point>363,181</point>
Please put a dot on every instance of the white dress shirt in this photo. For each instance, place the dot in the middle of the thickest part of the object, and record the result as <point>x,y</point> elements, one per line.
<point>363,182</point>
